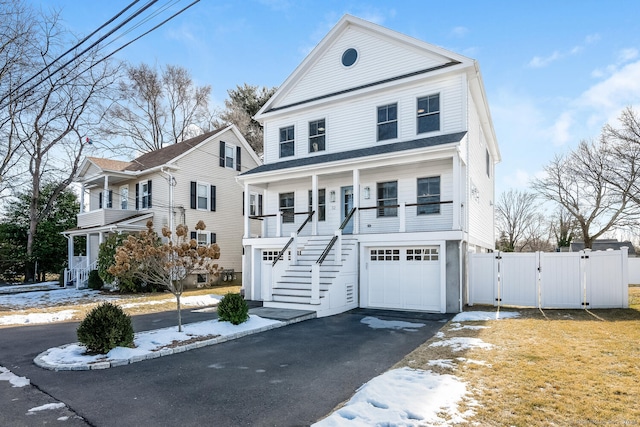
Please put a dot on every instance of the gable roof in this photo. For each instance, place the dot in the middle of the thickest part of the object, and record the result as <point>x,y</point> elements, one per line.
<point>360,153</point>
<point>109,164</point>
<point>168,153</point>
<point>434,58</point>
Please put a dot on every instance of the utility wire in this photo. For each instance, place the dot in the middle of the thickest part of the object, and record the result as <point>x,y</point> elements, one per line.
<point>77,45</point>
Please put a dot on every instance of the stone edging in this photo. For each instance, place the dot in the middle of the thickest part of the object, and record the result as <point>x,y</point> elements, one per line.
<point>39,361</point>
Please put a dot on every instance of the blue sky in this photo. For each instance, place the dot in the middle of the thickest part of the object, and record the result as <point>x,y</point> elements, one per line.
<point>554,71</point>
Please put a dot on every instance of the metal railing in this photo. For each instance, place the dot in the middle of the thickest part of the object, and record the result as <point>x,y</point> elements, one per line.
<point>335,237</point>
<point>281,253</point>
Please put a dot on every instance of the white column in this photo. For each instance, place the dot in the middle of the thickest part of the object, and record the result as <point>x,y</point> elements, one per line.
<point>356,201</point>
<point>82,190</point>
<point>105,192</point>
<point>88,259</point>
<point>457,201</point>
<point>247,196</point>
<point>70,251</point>
<point>314,204</point>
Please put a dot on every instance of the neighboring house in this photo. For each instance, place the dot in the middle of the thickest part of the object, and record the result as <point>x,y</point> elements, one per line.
<point>388,140</point>
<point>179,184</point>
<point>604,245</point>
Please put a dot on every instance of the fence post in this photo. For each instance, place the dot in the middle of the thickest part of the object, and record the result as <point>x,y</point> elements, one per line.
<point>625,276</point>
<point>499,281</point>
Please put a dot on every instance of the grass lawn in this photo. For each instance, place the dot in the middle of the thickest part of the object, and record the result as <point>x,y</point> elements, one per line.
<point>547,368</point>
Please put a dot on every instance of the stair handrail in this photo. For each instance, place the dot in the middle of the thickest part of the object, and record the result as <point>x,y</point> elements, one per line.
<point>281,253</point>
<point>335,237</point>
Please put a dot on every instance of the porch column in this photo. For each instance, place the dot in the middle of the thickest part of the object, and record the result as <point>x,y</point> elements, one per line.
<point>456,193</point>
<point>82,197</point>
<point>88,259</point>
<point>70,251</point>
<point>247,197</point>
<point>356,201</point>
<point>105,192</point>
<point>314,204</point>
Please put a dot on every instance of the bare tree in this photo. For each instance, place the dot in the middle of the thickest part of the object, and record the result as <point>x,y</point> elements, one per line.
<point>580,183</point>
<point>167,264</point>
<point>52,119</point>
<point>518,219</point>
<point>17,29</point>
<point>563,227</point>
<point>243,103</point>
<point>156,107</point>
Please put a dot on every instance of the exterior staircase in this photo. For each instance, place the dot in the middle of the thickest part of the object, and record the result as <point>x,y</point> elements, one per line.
<point>293,289</point>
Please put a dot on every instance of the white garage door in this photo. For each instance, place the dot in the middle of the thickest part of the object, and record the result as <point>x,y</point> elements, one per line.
<point>404,278</point>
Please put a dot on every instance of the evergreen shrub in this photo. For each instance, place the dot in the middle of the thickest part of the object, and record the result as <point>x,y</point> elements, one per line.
<point>95,282</point>
<point>105,328</point>
<point>233,308</point>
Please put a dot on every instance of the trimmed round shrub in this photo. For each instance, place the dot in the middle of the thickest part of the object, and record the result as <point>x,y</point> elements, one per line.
<point>105,327</point>
<point>95,282</point>
<point>233,308</point>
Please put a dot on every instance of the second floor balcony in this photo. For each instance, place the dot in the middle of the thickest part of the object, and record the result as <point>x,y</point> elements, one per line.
<point>100,217</point>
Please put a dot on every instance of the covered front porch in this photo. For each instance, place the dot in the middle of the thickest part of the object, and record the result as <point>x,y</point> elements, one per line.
<point>79,266</point>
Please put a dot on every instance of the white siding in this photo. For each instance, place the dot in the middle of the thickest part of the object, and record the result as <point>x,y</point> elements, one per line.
<point>378,59</point>
<point>351,124</point>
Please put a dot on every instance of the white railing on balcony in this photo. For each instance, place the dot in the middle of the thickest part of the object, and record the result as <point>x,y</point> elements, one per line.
<point>101,217</point>
<point>79,275</point>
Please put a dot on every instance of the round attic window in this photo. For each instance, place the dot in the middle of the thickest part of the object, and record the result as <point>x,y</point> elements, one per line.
<point>349,57</point>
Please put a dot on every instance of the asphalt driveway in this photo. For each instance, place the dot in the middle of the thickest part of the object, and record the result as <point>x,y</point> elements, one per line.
<point>289,376</point>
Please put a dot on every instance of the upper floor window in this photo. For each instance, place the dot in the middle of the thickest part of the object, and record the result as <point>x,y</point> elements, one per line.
<point>203,196</point>
<point>287,139</point>
<point>429,192</point>
<point>124,197</point>
<point>143,195</point>
<point>286,206</point>
<point>429,113</point>
<point>322,204</point>
<point>229,156</point>
<point>387,196</point>
<point>387,122</point>
<point>316,136</point>
<point>105,199</point>
<point>255,204</point>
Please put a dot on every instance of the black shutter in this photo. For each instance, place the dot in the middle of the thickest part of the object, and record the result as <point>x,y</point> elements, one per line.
<point>193,194</point>
<point>193,235</point>
<point>259,204</point>
<point>100,200</point>
<point>149,187</point>
<point>238,155</point>
<point>223,153</point>
<point>243,203</point>
<point>110,202</point>
<point>213,198</point>
<point>213,238</point>
<point>137,196</point>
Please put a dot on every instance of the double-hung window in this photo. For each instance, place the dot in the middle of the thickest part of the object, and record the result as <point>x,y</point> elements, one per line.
<point>387,198</point>
<point>387,122</point>
<point>287,140</point>
<point>287,206</point>
<point>230,156</point>
<point>316,136</point>
<point>203,196</point>
<point>428,192</point>
<point>322,204</point>
<point>143,195</point>
<point>124,197</point>
<point>428,113</point>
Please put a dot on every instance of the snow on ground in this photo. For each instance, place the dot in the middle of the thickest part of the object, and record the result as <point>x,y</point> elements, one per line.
<point>458,327</point>
<point>376,323</point>
<point>461,343</point>
<point>53,298</point>
<point>150,341</point>
<point>48,407</point>
<point>14,380</point>
<point>402,397</point>
<point>190,301</point>
<point>473,316</point>
<point>26,288</point>
<point>23,319</point>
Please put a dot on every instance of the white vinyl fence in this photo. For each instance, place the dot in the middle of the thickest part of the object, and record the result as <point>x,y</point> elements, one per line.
<point>582,279</point>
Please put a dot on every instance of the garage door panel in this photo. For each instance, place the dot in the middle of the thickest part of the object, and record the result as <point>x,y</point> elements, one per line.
<point>404,278</point>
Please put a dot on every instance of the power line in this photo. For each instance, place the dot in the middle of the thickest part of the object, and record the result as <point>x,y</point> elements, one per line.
<point>77,45</point>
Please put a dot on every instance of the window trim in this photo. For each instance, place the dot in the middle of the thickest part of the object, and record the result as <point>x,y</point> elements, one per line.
<point>428,113</point>
<point>428,209</point>
<point>382,211</point>
<point>287,218</point>
<point>379,123</point>
<point>291,141</point>
<point>207,197</point>
<point>322,207</point>
<point>143,201</point>
<point>318,135</point>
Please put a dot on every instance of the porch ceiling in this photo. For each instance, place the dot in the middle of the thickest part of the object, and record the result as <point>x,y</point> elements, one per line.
<point>133,223</point>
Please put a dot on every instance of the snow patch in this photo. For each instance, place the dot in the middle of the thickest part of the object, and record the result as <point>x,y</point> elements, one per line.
<point>14,380</point>
<point>32,318</point>
<point>47,407</point>
<point>462,343</point>
<point>375,323</point>
<point>474,316</point>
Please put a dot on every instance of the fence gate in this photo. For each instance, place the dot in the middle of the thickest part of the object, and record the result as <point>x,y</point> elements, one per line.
<point>582,279</point>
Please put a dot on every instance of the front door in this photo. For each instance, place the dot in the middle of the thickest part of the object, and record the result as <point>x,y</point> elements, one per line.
<point>346,206</point>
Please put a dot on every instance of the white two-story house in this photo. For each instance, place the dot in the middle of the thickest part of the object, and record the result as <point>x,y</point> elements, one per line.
<point>182,183</point>
<point>378,177</point>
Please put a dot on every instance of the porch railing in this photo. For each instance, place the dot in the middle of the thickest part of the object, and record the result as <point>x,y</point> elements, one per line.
<point>293,237</point>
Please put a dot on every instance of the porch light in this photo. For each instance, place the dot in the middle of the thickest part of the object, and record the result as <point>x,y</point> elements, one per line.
<point>367,193</point>
<point>332,196</point>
